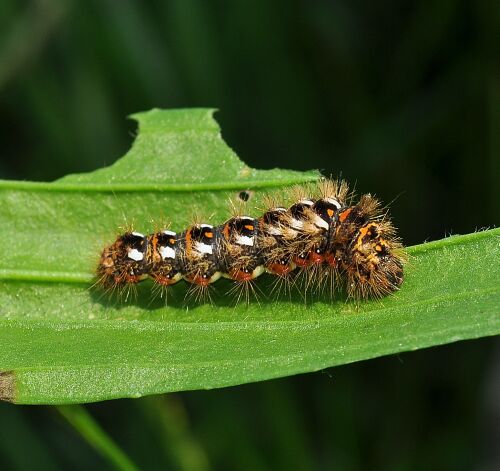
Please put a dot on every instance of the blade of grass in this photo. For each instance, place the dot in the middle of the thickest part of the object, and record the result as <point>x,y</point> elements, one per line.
<point>166,414</point>
<point>92,432</point>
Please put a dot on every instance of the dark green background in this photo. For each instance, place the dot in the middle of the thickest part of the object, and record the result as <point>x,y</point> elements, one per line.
<point>400,98</point>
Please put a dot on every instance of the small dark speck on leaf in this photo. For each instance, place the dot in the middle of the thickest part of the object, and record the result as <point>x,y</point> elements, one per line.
<point>245,195</point>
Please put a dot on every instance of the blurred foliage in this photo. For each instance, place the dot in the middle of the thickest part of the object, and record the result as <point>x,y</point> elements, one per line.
<point>402,98</point>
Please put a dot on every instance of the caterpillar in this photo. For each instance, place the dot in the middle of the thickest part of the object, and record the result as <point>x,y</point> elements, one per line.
<point>323,235</point>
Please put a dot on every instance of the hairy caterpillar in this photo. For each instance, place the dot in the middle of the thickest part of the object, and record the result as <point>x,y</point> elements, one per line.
<point>322,235</point>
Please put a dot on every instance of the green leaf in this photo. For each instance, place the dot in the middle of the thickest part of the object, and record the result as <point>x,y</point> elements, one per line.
<point>61,342</point>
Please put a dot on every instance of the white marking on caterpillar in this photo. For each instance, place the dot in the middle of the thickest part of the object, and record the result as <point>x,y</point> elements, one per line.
<point>215,276</point>
<point>297,224</point>
<point>134,254</point>
<point>334,202</point>
<point>166,252</point>
<point>244,240</point>
<point>258,271</point>
<point>320,222</point>
<point>203,248</point>
<point>274,230</point>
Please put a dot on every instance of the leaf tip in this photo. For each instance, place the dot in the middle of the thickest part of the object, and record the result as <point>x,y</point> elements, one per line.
<point>7,386</point>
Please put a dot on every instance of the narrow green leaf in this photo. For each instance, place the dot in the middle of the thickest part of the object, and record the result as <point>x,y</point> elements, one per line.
<point>61,342</point>
<point>90,430</point>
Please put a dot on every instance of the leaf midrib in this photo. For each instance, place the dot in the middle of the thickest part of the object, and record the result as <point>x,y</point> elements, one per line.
<point>151,187</point>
